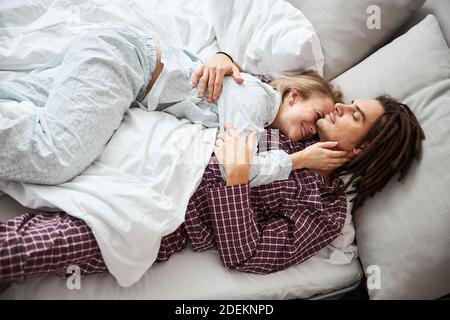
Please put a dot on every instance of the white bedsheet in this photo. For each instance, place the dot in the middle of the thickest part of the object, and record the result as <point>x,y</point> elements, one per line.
<point>34,33</point>
<point>198,276</point>
<point>135,191</point>
<point>138,190</point>
<point>193,275</point>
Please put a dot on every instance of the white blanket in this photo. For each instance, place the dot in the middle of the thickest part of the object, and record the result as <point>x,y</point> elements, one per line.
<point>34,33</point>
<point>138,190</point>
<point>135,192</point>
<point>268,37</point>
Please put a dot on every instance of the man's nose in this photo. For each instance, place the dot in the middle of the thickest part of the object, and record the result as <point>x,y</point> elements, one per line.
<point>341,108</point>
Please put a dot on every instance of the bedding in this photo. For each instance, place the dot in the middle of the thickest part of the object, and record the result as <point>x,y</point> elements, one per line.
<point>190,23</point>
<point>24,46</point>
<point>194,275</point>
<point>343,27</point>
<point>32,25</point>
<point>147,154</point>
<point>407,234</point>
<point>267,37</point>
<point>402,233</point>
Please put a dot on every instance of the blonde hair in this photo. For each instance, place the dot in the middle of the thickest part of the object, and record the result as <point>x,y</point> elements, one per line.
<point>309,83</point>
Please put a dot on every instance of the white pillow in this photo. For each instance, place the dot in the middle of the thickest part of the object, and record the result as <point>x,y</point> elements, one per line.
<point>403,232</point>
<point>342,27</point>
<point>266,37</point>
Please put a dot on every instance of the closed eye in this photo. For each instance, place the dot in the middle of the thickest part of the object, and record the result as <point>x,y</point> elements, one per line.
<point>318,116</point>
<point>357,116</point>
<point>361,113</point>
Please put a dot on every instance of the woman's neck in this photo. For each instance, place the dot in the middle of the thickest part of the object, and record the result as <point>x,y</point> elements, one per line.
<point>278,120</point>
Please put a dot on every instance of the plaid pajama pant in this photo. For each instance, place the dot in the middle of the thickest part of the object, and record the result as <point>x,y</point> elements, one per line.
<point>46,243</point>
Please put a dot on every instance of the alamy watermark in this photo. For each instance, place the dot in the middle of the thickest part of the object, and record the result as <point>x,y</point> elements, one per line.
<point>73,281</point>
<point>374,17</point>
<point>373,273</point>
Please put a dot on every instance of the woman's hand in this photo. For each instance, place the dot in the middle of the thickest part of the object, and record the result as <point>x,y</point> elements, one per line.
<point>233,153</point>
<point>210,75</point>
<point>319,157</point>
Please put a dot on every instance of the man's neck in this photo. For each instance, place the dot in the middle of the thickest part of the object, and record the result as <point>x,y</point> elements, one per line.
<point>328,175</point>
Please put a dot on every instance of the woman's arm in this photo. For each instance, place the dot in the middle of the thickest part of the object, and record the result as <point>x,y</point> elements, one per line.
<point>234,154</point>
<point>269,166</point>
<point>319,157</point>
<point>276,164</point>
<point>210,75</point>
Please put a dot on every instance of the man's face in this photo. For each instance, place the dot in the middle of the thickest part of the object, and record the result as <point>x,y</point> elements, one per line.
<point>348,124</point>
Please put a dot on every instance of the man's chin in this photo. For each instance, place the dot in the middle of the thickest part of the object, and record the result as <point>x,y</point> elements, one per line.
<point>320,131</point>
<point>322,136</point>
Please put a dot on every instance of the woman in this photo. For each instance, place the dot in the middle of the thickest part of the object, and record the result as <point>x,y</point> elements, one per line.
<point>81,103</point>
<point>291,105</point>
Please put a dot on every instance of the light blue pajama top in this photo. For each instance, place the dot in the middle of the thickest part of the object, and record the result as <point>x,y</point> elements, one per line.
<point>69,112</point>
<point>250,106</point>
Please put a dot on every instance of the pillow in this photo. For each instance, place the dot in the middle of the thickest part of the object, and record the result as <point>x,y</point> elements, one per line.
<point>266,37</point>
<point>342,27</point>
<point>403,232</point>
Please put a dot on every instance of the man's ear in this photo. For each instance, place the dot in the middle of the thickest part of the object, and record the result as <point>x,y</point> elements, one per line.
<point>358,150</point>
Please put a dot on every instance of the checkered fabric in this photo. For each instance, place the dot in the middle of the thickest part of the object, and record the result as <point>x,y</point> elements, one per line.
<point>46,243</point>
<point>258,230</point>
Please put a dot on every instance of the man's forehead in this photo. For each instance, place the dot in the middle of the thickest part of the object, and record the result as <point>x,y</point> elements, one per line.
<point>368,103</point>
<point>373,109</point>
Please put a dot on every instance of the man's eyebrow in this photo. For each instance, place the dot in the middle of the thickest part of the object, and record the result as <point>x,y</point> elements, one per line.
<point>362,113</point>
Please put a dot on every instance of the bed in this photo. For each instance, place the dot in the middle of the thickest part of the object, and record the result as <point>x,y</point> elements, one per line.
<point>191,275</point>
<point>336,269</point>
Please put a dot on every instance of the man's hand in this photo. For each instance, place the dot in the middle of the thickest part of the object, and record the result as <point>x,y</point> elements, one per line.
<point>210,76</point>
<point>233,153</point>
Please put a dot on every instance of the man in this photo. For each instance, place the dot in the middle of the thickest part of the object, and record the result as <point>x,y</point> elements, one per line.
<point>259,230</point>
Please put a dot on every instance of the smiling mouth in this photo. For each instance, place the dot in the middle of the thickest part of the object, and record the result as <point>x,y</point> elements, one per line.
<point>302,129</point>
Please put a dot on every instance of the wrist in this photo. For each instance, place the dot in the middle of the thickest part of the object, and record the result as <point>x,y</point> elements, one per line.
<point>237,175</point>
<point>226,54</point>
<point>298,160</point>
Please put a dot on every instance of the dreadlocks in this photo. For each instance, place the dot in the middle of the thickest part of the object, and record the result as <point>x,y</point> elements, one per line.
<point>394,141</point>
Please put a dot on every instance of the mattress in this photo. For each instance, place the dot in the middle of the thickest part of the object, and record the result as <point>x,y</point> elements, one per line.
<point>193,275</point>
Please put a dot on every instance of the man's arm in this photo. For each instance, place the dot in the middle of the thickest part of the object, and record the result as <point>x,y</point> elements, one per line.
<point>288,237</point>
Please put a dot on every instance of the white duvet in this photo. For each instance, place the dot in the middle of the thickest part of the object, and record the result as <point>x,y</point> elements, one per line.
<point>137,190</point>
<point>268,37</point>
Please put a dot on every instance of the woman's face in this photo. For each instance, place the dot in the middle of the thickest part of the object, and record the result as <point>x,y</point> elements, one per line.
<point>297,117</point>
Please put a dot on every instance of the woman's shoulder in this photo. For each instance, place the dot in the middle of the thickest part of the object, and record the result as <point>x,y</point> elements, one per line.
<point>251,88</point>
<point>249,81</point>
